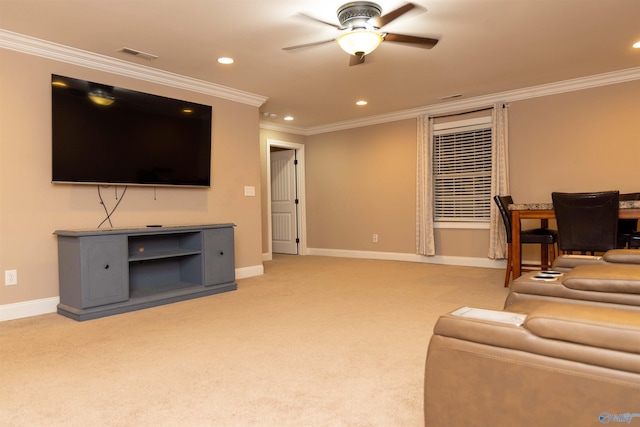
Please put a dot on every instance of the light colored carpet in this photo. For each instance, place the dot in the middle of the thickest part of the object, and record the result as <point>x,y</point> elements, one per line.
<point>315,341</point>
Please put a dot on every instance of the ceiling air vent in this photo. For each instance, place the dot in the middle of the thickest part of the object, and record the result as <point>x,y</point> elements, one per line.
<point>141,55</point>
<point>457,95</point>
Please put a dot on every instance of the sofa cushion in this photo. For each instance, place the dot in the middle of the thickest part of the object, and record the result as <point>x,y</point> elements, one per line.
<point>623,278</point>
<point>592,326</point>
<point>623,256</point>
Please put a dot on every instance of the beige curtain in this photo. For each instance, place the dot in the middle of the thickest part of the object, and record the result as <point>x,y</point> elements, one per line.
<point>424,216</point>
<point>499,179</point>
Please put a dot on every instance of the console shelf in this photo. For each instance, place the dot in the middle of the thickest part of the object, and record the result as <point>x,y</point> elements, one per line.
<point>105,272</point>
<point>161,254</point>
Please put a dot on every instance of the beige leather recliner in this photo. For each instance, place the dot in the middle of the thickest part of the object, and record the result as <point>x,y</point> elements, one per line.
<point>605,285</point>
<point>612,256</point>
<point>566,364</point>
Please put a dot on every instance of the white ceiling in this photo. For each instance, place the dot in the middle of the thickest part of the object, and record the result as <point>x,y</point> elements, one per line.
<point>486,47</point>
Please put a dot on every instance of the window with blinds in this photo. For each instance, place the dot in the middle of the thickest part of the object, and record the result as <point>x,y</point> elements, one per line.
<point>462,171</point>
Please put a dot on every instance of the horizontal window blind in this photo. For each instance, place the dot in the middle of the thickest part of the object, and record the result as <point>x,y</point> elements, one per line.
<point>462,174</point>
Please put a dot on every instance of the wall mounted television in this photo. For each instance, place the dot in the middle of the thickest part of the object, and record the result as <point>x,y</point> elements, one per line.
<point>108,135</point>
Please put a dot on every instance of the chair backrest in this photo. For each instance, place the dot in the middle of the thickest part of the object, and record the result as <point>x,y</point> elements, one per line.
<point>630,196</point>
<point>503,203</point>
<point>587,222</point>
<point>628,226</point>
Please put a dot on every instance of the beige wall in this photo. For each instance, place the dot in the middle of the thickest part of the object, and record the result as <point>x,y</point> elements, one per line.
<point>362,181</point>
<point>31,208</point>
<point>578,141</point>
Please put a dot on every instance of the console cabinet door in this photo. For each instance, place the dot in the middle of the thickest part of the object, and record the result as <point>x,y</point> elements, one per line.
<point>105,270</point>
<point>219,263</point>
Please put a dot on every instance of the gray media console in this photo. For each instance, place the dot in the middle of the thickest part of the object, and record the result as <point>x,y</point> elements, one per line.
<point>111,271</point>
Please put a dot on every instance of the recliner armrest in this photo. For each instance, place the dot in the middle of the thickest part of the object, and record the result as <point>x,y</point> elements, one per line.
<point>622,256</point>
<point>597,327</point>
<point>624,278</point>
<point>614,343</point>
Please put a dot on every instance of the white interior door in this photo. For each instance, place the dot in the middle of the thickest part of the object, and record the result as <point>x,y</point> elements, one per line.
<point>284,219</point>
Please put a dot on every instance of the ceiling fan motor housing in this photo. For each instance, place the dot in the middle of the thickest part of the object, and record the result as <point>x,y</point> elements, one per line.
<point>357,14</point>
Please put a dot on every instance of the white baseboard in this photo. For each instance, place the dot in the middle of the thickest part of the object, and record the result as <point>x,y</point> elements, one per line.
<point>37,307</point>
<point>398,256</point>
<point>50,305</point>
<point>254,270</point>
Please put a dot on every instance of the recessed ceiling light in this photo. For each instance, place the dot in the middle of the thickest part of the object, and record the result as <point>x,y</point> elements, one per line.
<point>362,102</point>
<point>226,61</point>
<point>637,45</point>
<point>288,118</point>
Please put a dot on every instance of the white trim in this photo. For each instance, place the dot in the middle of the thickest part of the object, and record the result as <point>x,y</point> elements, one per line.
<point>37,307</point>
<point>31,308</point>
<point>398,256</point>
<point>480,122</point>
<point>245,272</point>
<point>302,209</point>
<point>33,46</point>
<point>277,127</point>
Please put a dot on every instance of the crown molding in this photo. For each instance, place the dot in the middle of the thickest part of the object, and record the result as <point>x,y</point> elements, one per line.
<point>283,128</point>
<point>33,46</point>
<point>597,80</point>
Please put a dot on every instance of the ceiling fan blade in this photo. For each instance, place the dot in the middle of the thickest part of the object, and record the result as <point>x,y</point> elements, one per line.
<point>423,42</point>
<point>356,59</point>
<point>320,21</point>
<point>300,46</point>
<point>385,19</point>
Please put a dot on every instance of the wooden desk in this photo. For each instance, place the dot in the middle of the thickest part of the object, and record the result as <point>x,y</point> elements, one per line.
<point>544,212</point>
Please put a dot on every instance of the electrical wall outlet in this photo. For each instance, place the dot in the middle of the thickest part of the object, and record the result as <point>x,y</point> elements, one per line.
<point>10,277</point>
<point>375,238</point>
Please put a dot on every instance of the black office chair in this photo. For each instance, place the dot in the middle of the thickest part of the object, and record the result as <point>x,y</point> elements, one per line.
<point>627,228</point>
<point>587,222</point>
<point>541,236</point>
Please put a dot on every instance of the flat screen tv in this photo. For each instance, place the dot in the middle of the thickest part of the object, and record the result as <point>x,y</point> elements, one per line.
<point>109,135</point>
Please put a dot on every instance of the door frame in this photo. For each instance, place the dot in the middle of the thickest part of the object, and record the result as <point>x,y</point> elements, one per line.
<point>301,211</point>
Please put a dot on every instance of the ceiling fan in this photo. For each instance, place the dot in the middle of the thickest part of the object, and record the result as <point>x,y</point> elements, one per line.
<point>361,23</point>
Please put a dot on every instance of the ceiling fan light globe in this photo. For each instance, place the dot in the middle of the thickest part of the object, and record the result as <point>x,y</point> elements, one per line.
<point>362,42</point>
